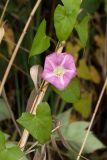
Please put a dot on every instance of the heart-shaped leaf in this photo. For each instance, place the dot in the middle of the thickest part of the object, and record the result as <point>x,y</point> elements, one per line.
<point>65,18</point>
<point>41,41</point>
<point>82,30</point>
<point>39,125</point>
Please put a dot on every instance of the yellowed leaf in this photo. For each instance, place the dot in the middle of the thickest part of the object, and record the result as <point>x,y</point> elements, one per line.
<point>99,57</point>
<point>100,40</point>
<point>2,32</point>
<point>83,70</point>
<point>74,49</point>
<point>88,72</point>
<point>83,106</point>
<point>73,117</point>
<point>95,76</point>
<point>9,38</point>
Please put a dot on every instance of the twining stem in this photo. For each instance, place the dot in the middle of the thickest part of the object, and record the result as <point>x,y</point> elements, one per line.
<point>37,100</point>
<point>4,10</point>
<point>92,119</point>
<point>18,45</point>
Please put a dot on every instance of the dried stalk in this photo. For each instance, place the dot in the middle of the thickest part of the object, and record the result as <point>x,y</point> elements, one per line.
<point>4,10</point>
<point>92,119</point>
<point>11,112</point>
<point>21,47</point>
<point>105,54</point>
<point>18,45</point>
<point>14,65</point>
<point>37,100</point>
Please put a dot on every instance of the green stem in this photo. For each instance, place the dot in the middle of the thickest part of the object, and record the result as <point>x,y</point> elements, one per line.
<point>62,107</point>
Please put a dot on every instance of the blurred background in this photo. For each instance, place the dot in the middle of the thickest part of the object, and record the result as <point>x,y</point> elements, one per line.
<point>91,64</point>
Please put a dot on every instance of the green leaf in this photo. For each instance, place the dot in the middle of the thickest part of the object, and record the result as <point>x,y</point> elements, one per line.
<point>72,93</point>
<point>65,18</point>
<point>75,133</point>
<point>83,106</point>
<point>2,141</point>
<point>4,113</point>
<point>10,144</point>
<point>90,6</point>
<point>70,6</point>
<point>39,125</point>
<point>62,23</point>
<point>41,41</point>
<point>13,153</point>
<point>83,70</point>
<point>82,30</point>
<point>65,117</point>
<point>8,152</point>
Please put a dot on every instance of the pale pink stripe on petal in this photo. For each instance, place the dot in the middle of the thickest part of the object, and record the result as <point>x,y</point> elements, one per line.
<point>54,60</point>
<point>61,80</point>
<point>52,64</point>
<point>63,61</point>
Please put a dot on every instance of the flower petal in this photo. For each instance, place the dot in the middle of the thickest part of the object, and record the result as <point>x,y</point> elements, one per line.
<point>62,81</point>
<point>64,60</point>
<point>47,76</point>
<point>52,64</point>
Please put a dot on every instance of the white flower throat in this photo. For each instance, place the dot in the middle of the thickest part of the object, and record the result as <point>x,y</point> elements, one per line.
<point>59,71</point>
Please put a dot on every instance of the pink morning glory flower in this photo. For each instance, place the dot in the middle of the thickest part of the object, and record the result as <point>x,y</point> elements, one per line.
<point>59,69</point>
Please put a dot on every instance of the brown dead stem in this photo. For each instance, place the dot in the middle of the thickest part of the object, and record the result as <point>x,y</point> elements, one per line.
<point>39,97</point>
<point>92,119</point>
<point>18,45</point>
